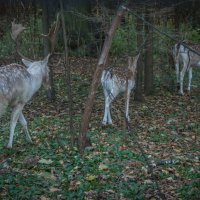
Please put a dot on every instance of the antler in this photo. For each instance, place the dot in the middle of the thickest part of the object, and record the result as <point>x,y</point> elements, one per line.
<point>15,32</point>
<point>17,29</point>
<point>52,33</point>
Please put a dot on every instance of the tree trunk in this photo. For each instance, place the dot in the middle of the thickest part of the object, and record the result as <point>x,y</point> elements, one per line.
<point>45,27</point>
<point>148,69</point>
<point>68,74</point>
<point>139,80</point>
<point>83,140</point>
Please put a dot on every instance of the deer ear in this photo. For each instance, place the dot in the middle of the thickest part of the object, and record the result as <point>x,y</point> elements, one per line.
<point>135,59</point>
<point>129,62</point>
<point>46,59</point>
<point>27,63</point>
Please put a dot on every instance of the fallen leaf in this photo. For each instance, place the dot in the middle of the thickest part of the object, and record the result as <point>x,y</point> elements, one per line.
<point>90,178</point>
<point>44,161</point>
<point>47,175</point>
<point>43,198</point>
<point>103,166</point>
<point>73,185</point>
<point>148,181</point>
<point>53,189</point>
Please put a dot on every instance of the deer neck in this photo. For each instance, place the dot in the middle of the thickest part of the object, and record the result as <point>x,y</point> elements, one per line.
<point>36,78</point>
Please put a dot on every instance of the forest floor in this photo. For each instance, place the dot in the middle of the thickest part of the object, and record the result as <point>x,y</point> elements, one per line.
<point>164,127</point>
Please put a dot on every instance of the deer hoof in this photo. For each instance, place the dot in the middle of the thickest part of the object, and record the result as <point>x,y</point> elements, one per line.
<point>107,124</point>
<point>28,138</point>
<point>104,123</point>
<point>30,141</point>
<point>181,93</point>
<point>9,146</point>
<point>128,118</point>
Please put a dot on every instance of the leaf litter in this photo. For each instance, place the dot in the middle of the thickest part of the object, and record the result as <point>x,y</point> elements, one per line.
<point>167,127</point>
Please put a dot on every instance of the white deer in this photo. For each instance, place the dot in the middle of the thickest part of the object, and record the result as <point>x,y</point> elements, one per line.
<point>19,83</point>
<point>115,80</point>
<point>17,86</point>
<point>189,59</point>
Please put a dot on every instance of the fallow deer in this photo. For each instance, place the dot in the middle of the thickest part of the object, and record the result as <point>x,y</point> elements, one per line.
<point>19,83</point>
<point>115,80</point>
<point>189,59</point>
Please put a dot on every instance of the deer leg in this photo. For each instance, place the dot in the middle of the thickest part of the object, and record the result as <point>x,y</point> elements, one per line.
<point>105,118</point>
<point>177,75</point>
<point>108,99</point>
<point>127,106</point>
<point>127,100</point>
<point>189,79</point>
<point>182,74</point>
<point>107,115</point>
<point>3,106</point>
<point>108,111</point>
<point>23,122</point>
<point>14,118</point>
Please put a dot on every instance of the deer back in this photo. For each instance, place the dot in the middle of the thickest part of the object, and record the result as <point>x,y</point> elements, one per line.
<point>115,78</point>
<point>14,83</point>
<point>186,55</point>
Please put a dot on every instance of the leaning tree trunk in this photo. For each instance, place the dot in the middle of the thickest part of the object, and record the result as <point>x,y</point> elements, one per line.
<point>148,69</point>
<point>45,27</point>
<point>83,140</point>
<point>139,89</point>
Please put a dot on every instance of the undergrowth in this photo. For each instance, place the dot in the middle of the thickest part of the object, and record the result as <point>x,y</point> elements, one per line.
<point>164,126</point>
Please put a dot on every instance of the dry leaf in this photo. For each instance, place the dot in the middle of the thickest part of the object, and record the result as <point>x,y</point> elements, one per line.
<point>53,189</point>
<point>43,198</point>
<point>103,166</point>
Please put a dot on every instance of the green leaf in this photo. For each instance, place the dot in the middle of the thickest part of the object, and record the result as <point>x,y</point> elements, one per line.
<point>90,177</point>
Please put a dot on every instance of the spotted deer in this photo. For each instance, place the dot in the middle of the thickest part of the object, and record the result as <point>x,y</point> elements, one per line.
<point>116,80</point>
<point>18,83</point>
<point>188,59</point>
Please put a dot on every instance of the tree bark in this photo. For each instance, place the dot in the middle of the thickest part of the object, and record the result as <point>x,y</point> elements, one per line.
<point>148,69</point>
<point>83,140</point>
<point>45,27</point>
<point>139,81</point>
<point>68,74</point>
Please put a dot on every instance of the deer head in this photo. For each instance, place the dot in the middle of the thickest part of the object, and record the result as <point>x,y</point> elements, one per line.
<point>17,29</point>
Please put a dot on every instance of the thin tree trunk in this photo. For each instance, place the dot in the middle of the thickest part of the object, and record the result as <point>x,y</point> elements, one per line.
<point>83,140</point>
<point>148,69</point>
<point>139,80</point>
<point>68,75</point>
<point>45,27</point>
